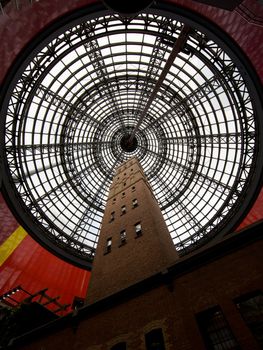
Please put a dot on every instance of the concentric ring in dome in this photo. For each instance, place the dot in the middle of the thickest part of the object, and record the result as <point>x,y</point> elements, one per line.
<point>73,100</point>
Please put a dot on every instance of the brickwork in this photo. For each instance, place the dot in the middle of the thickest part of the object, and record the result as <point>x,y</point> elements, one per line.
<point>141,254</point>
<point>174,310</point>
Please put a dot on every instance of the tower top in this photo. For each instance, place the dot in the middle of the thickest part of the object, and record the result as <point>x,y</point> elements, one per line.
<point>128,162</point>
<point>127,174</point>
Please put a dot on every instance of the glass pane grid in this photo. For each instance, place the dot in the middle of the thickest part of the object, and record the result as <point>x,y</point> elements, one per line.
<point>64,124</point>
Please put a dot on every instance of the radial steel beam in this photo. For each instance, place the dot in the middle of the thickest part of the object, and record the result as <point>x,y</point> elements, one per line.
<point>79,226</point>
<point>184,168</point>
<point>179,44</point>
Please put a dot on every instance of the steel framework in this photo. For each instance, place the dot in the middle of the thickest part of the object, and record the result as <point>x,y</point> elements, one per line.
<point>75,99</point>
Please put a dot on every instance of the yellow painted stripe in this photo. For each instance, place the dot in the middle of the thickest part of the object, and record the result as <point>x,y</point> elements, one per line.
<point>11,243</point>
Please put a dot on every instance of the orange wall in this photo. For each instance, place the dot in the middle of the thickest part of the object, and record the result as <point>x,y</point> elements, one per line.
<point>24,262</point>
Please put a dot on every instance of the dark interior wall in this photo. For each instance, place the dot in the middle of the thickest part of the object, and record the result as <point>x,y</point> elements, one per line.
<point>172,307</point>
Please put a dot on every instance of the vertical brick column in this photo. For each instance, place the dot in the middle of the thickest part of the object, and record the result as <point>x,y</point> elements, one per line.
<point>125,256</point>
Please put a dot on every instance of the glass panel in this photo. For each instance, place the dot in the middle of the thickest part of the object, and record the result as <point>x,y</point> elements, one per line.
<point>123,236</point>
<point>108,246</point>
<point>138,229</point>
<point>134,203</point>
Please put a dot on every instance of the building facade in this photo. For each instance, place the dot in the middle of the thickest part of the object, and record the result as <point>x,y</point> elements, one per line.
<point>140,298</point>
<point>134,241</point>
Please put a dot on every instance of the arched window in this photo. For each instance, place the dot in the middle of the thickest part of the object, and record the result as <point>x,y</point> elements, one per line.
<point>251,309</point>
<point>119,346</point>
<point>215,330</point>
<point>154,340</point>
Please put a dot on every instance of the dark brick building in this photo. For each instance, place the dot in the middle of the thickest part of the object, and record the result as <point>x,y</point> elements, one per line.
<point>142,296</point>
<point>134,241</point>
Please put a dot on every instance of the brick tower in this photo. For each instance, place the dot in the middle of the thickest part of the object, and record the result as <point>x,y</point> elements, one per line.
<point>134,240</point>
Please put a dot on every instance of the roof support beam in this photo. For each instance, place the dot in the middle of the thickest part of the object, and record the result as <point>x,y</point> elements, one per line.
<point>179,44</point>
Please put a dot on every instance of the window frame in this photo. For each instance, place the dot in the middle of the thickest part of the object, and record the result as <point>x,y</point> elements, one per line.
<point>150,341</point>
<point>138,232</point>
<point>112,216</point>
<point>123,237</point>
<point>119,346</point>
<point>108,247</point>
<point>253,324</point>
<point>123,209</point>
<point>216,331</point>
<point>135,203</point>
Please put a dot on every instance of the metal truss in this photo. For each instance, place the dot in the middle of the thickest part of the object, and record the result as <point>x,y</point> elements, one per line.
<point>191,103</point>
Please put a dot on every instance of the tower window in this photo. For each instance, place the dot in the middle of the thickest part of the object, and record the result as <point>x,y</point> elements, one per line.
<point>154,340</point>
<point>123,210</point>
<point>119,346</point>
<point>123,236</point>
<point>108,245</point>
<point>138,229</point>
<point>133,188</point>
<point>251,310</point>
<point>112,216</point>
<point>134,203</point>
<point>114,200</point>
<point>215,330</point>
<point>123,194</point>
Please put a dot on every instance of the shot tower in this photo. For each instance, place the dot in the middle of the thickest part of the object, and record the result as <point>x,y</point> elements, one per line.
<point>134,241</point>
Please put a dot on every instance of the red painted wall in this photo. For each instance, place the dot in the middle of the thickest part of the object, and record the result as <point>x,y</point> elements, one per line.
<point>31,265</point>
<point>34,268</point>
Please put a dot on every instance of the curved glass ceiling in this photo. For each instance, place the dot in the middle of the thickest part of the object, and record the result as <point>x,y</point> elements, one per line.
<point>74,101</point>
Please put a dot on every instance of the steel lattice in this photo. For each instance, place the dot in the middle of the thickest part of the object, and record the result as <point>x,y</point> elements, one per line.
<point>68,110</point>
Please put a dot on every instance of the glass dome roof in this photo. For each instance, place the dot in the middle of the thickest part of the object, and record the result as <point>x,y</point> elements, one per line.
<point>78,93</point>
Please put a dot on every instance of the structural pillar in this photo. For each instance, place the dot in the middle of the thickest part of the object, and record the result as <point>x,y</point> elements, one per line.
<point>134,240</point>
